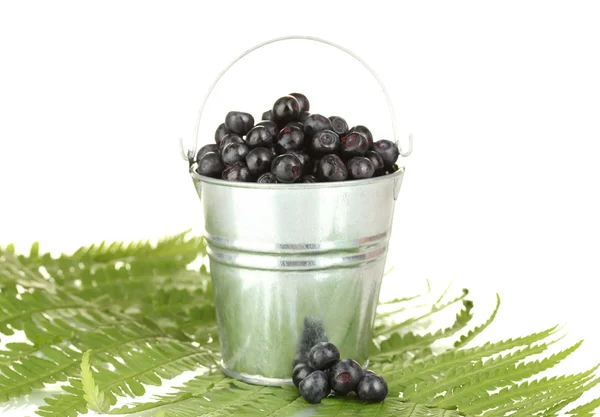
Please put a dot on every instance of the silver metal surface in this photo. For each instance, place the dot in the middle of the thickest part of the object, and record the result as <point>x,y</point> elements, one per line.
<point>303,250</point>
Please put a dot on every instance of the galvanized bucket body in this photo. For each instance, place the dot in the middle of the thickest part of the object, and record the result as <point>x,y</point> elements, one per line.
<point>281,254</point>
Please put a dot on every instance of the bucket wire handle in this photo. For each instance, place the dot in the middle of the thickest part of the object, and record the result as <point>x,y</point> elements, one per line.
<point>315,39</point>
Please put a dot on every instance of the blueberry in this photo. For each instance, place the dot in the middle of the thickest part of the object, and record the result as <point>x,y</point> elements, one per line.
<point>364,131</point>
<point>376,160</point>
<point>360,168</point>
<point>268,115</point>
<point>210,165</point>
<point>259,136</point>
<point>308,179</point>
<point>267,178</point>
<point>324,142</point>
<point>301,371</point>
<point>239,122</point>
<point>371,388</point>
<point>303,115</point>
<point>259,161</point>
<point>220,133</point>
<point>332,168</point>
<point>304,159</point>
<point>230,138</point>
<point>237,172</point>
<point>314,387</point>
<point>387,150</point>
<point>338,125</point>
<point>344,376</point>
<point>234,152</point>
<point>206,149</point>
<point>354,144</point>
<point>286,109</point>
<point>323,355</point>
<point>286,168</point>
<point>289,138</point>
<point>299,125</point>
<point>270,125</point>
<point>315,123</point>
<point>302,101</point>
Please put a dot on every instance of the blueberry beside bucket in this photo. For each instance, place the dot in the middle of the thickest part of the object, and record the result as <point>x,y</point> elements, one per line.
<point>326,145</point>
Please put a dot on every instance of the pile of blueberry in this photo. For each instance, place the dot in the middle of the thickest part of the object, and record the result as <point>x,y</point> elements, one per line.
<point>324,372</point>
<point>292,145</point>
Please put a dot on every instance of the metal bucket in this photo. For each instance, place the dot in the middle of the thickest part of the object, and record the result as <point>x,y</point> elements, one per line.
<point>316,255</point>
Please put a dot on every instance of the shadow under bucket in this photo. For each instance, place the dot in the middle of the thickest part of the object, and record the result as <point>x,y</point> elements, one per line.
<point>284,257</point>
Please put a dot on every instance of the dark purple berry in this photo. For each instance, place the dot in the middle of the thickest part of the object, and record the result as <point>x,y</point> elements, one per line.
<point>387,150</point>
<point>338,125</point>
<point>314,387</point>
<point>286,168</point>
<point>323,355</point>
<point>303,115</point>
<point>304,159</point>
<point>299,125</point>
<point>267,178</point>
<point>308,179</point>
<point>270,125</point>
<point>371,388</point>
<point>302,101</point>
<point>344,376</point>
<point>376,160</point>
<point>360,168</point>
<point>210,165</point>
<point>220,133</point>
<point>268,115</point>
<point>259,161</point>
<point>332,168</point>
<point>364,131</point>
<point>289,139</point>
<point>230,138</point>
<point>206,149</point>
<point>315,123</point>
<point>234,152</point>
<point>301,371</point>
<point>324,142</point>
<point>259,136</point>
<point>286,109</point>
<point>237,172</point>
<point>354,144</point>
<point>239,122</point>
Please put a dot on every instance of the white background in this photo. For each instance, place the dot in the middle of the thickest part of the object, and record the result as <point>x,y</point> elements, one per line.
<point>500,195</point>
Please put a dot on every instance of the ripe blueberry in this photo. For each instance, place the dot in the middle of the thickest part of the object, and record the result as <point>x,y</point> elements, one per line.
<point>234,152</point>
<point>332,168</point>
<point>371,388</point>
<point>388,151</point>
<point>286,168</point>
<point>315,123</point>
<point>220,133</point>
<point>360,168</point>
<point>376,160</point>
<point>286,109</point>
<point>270,125</point>
<point>324,142</point>
<point>206,149</point>
<point>304,159</point>
<point>210,165</point>
<point>354,144</point>
<point>344,376</point>
<point>259,161</point>
<point>290,138</point>
<point>267,178</point>
<point>237,172</point>
<point>314,387</point>
<point>268,115</point>
<point>239,122</point>
<point>302,101</point>
<point>364,131</point>
<point>301,371</point>
<point>230,138</point>
<point>323,355</point>
<point>338,125</point>
<point>259,136</point>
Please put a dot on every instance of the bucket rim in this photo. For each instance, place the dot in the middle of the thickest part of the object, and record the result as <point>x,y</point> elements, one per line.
<point>294,186</point>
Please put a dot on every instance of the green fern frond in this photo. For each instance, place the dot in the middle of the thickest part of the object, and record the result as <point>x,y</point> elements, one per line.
<point>585,410</point>
<point>95,398</point>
